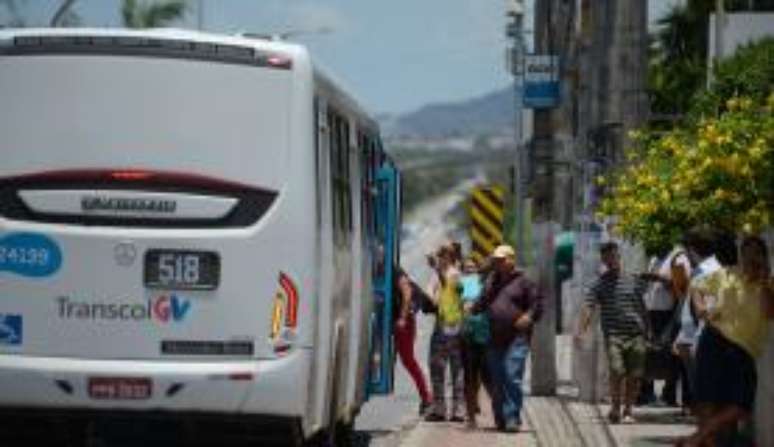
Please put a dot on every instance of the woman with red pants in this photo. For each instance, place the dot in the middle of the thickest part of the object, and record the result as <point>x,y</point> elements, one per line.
<point>405,334</point>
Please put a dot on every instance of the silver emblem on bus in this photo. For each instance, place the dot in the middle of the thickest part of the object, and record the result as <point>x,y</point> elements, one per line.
<point>125,254</point>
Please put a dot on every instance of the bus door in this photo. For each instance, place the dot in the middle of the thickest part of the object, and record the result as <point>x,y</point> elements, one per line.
<point>385,256</point>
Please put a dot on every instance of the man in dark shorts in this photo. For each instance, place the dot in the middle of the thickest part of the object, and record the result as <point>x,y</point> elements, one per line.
<point>623,317</point>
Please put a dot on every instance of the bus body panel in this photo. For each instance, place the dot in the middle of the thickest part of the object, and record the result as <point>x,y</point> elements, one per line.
<point>92,316</point>
<point>62,383</point>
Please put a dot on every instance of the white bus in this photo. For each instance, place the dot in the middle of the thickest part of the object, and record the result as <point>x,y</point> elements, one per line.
<point>187,224</point>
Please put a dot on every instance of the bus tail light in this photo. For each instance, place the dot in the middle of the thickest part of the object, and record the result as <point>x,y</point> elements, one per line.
<point>276,315</point>
<point>284,315</point>
<point>291,304</point>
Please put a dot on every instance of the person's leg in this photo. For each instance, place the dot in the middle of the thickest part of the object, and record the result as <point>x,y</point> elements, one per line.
<point>647,393</point>
<point>662,321</point>
<point>496,369</point>
<point>722,420</point>
<point>616,383</point>
<point>477,373</point>
<point>468,379</point>
<point>635,353</point>
<point>631,388</point>
<point>686,398</point>
<point>513,395</point>
<point>437,373</point>
<point>669,392</point>
<point>486,377</point>
<point>617,373</point>
<point>404,343</point>
<point>457,381</point>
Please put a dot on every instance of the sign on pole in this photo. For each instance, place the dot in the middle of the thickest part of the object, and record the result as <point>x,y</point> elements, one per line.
<point>541,81</point>
<point>487,203</point>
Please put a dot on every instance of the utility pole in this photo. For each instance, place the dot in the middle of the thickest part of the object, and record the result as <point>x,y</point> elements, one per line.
<point>614,101</point>
<point>515,30</point>
<point>720,23</point>
<point>551,192</point>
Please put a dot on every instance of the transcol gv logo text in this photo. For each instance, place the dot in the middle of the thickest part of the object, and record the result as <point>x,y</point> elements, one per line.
<point>163,309</point>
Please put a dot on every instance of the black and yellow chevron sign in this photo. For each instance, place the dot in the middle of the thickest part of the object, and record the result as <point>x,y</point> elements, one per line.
<point>486,220</point>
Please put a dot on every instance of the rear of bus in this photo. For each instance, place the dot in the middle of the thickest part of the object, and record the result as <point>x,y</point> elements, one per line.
<point>156,224</point>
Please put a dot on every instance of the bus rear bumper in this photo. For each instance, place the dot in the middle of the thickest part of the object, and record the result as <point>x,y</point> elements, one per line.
<point>276,387</point>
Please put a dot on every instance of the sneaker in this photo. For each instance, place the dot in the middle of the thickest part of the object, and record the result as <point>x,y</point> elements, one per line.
<point>628,418</point>
<point>512,427</point>
<point>424,407</point>
<point>457,418</point>
<point>433,417</point>
<point>614,417</point>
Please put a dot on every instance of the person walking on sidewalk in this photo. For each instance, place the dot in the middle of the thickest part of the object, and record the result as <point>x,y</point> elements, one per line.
<point>701,246</point>
<point>622,311</point>
<point>406,332</point>
<point>446,341</point>
<point>513,304</point>
<point>475,339</point>
<point>734,335</point>
<point>661,301</point>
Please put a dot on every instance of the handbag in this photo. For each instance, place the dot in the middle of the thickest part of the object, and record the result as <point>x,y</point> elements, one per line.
<point>422,300</point>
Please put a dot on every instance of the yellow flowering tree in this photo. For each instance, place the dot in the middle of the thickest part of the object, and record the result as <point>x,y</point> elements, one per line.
<point>717,171</point>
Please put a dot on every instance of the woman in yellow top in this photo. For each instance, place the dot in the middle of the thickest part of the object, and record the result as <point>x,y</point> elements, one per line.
<point>733,337</point>
<point>446,341</point>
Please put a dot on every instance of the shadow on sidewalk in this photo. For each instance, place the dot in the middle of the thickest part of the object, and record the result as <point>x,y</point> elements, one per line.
<point>652,441</point>
<point>643,416</point>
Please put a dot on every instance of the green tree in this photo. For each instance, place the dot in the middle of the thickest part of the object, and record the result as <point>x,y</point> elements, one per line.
<point>141,14</point>
<point>749,72</point>
<point>716,167</point>
<point>678,60</point>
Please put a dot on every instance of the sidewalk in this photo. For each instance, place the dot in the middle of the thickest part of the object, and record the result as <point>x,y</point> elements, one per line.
<point>448,434</point>
<point>558,421</point>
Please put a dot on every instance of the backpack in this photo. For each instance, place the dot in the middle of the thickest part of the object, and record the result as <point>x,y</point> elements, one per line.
<point>420,300</point>
<point>475,328</point>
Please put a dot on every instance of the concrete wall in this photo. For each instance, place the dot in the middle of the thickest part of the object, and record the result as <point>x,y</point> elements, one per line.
<point>740,29</point>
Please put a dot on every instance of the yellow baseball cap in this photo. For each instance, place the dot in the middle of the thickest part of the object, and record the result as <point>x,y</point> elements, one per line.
<point>504,251</point>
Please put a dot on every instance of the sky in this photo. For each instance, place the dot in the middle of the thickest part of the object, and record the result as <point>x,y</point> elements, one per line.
<point>394,56</point>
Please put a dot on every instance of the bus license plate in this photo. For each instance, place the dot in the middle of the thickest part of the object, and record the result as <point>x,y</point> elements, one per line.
<point>120,388</point>
<point>182,269</point>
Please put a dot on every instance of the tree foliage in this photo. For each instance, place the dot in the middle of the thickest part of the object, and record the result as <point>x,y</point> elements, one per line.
<point>678,60</point>
<point>143,14</point>
<point>749,73</point>
<point>718,172</point>
<point>716,168</point>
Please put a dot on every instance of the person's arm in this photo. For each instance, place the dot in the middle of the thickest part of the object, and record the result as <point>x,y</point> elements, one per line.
<point>535,310</point>
<point>486,297</point>
<point>586,310</point>
<point>655,277</point>
<point>585,317</point>
<point>404,285</point>
<point>434,287</point>
<point>699,303</point>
